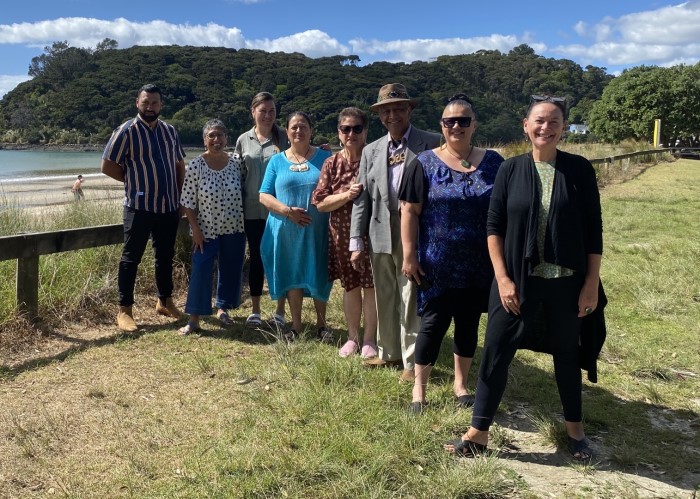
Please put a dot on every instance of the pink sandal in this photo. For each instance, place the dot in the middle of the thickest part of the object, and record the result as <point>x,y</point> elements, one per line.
<point>369,351</point>
<point>349,348</point>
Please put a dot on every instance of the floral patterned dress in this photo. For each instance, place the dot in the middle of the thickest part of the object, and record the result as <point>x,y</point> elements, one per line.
<point>336,176</point>
<point>452,246</point>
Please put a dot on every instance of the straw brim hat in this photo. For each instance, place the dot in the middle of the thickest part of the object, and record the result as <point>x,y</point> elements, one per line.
<point>390,93</point>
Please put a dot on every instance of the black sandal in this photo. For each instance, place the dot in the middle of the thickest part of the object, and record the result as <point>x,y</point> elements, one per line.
<point>290,336</point>
<point>466,448</point>
<point>580,449</point>
<point>465,401</point>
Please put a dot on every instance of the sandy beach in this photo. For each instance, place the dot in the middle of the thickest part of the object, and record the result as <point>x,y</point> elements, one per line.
<point>42,192</point>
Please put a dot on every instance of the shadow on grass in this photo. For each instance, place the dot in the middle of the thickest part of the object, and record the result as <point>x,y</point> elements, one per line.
<point>630,436</point>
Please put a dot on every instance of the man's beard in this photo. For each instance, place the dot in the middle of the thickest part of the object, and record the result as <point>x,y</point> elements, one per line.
<point>149,118</point>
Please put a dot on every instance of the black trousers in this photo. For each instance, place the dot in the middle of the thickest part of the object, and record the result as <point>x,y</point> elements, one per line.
<point>465,307</point>
<point>558,300</point>
<point>256,273</point>
<point>139,226</point>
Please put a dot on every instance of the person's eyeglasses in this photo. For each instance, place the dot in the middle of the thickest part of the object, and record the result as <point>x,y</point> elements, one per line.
<point>460,96</point>
<point>560,102</point>
<point>549,98</point>
<point>216,135</point>
<point>345,130</point>
<point>462,121</point>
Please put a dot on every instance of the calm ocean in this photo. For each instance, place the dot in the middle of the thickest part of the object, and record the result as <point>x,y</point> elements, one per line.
<point>20,166</point>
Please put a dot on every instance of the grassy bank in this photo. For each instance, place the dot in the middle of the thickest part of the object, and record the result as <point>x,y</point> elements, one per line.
<point>233,413</point>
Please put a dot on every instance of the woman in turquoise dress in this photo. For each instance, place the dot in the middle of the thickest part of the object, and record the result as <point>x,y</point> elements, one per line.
<point>294,246</point>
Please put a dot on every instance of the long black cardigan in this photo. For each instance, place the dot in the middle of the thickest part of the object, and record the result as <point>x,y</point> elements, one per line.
<point>574,230</point>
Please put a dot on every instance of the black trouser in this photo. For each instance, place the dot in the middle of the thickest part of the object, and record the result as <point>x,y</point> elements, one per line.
<point>256,274</point>
<point>465,306</point>
<point>139,226</point>
<point>559,301</point>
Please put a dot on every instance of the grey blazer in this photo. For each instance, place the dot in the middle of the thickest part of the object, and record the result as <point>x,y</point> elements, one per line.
<point>370,211</point>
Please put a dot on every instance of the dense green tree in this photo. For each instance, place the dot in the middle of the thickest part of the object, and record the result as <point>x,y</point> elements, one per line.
<point>632,102</point>
<point>93,91</point>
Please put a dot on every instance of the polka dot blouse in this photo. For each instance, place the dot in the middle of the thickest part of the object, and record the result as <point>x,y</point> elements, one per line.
<point>215,195</point>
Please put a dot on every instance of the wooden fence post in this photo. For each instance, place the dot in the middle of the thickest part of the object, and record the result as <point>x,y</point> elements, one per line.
<point>28,286</point>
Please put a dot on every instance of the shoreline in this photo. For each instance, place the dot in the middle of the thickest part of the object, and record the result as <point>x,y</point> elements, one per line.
<point>53,147</point>
<point>6,146</point>
<point>44,192</point>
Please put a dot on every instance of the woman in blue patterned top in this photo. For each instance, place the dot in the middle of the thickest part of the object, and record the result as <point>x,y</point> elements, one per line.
<point>445,197</point>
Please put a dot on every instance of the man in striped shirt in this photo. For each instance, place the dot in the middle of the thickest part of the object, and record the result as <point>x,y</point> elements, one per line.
<point>145,153</point>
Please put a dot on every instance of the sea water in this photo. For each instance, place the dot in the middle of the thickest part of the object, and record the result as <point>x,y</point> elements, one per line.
<point>23,166</point>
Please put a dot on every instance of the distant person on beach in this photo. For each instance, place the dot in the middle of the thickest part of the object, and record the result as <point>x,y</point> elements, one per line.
<point>255,148</point>
<point>213,204</point>
<point>145,153</point>
<point>77,188</point>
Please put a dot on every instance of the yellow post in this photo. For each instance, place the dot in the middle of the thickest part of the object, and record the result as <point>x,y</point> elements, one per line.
<point>657,133</point>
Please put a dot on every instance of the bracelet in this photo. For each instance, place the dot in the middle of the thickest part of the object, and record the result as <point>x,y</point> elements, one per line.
<point>289,211</point>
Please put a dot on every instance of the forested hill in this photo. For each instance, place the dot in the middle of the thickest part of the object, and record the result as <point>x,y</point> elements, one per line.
<point>82,94</point>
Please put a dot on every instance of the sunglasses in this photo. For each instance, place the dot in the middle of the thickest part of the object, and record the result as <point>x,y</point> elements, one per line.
<point>462,121</point>
<point>345,130</point>
<point>460,96</point>
<point>548,98</point>
<point>560,102</point>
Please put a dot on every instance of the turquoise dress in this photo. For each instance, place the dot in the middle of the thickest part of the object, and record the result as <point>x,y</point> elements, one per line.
<point>295,257</point>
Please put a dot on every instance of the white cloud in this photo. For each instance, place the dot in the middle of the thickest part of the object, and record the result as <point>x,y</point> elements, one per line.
<point>87,32</point>
<point>313,43</point>
<point>426,49</point>
<point>8,82</point>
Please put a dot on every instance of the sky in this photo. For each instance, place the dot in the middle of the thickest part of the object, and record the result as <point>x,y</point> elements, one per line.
<point>615,34</point>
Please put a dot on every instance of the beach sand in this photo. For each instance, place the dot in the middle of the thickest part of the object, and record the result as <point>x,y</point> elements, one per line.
<point>38,192</point>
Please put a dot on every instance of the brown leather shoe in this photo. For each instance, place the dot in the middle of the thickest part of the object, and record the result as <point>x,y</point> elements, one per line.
<point>168,308</point>
<point>377,362</point>
<point>407,376</point>
<point>125,320</point>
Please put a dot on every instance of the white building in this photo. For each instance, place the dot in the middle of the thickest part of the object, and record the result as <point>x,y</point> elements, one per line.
<point>579,129</point>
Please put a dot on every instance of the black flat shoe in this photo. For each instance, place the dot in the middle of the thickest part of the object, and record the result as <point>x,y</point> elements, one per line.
<point>465,448</point>
<point>465,401</point>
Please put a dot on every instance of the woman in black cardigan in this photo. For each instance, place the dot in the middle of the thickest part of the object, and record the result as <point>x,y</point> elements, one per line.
<point>545,242</point>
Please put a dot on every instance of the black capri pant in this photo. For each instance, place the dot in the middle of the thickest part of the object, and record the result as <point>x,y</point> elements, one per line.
<point>465,307</point>
<point>557,299</point>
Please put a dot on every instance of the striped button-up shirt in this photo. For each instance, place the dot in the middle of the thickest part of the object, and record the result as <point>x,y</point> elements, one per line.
<point>149,157</point>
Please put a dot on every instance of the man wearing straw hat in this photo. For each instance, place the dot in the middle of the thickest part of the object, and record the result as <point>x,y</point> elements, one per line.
<point>376,213</point>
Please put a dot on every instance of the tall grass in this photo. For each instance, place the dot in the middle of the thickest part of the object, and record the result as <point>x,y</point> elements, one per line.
<point>232,413</point>
<point>75,284</point>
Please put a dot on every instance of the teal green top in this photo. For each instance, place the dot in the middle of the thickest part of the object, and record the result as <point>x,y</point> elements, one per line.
<point>545,182</point>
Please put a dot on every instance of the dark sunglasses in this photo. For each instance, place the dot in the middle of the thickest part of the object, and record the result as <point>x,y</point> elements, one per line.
<point>345,130</point>
<point>560,102</point>
<point>548,98</point>
<point>462,121</point>
<point>460,97</point>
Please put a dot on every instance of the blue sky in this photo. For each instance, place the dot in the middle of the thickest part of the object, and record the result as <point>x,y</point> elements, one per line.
<point>615,34</point>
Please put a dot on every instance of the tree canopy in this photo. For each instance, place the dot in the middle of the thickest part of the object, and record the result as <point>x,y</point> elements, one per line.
<point>634,100</point>
<point>91,92</point>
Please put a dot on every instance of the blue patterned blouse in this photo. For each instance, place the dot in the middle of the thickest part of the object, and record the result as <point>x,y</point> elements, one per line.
<point>452,229</point>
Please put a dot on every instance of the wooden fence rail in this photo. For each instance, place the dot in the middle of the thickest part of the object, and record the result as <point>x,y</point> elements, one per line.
<point>27,248</point>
